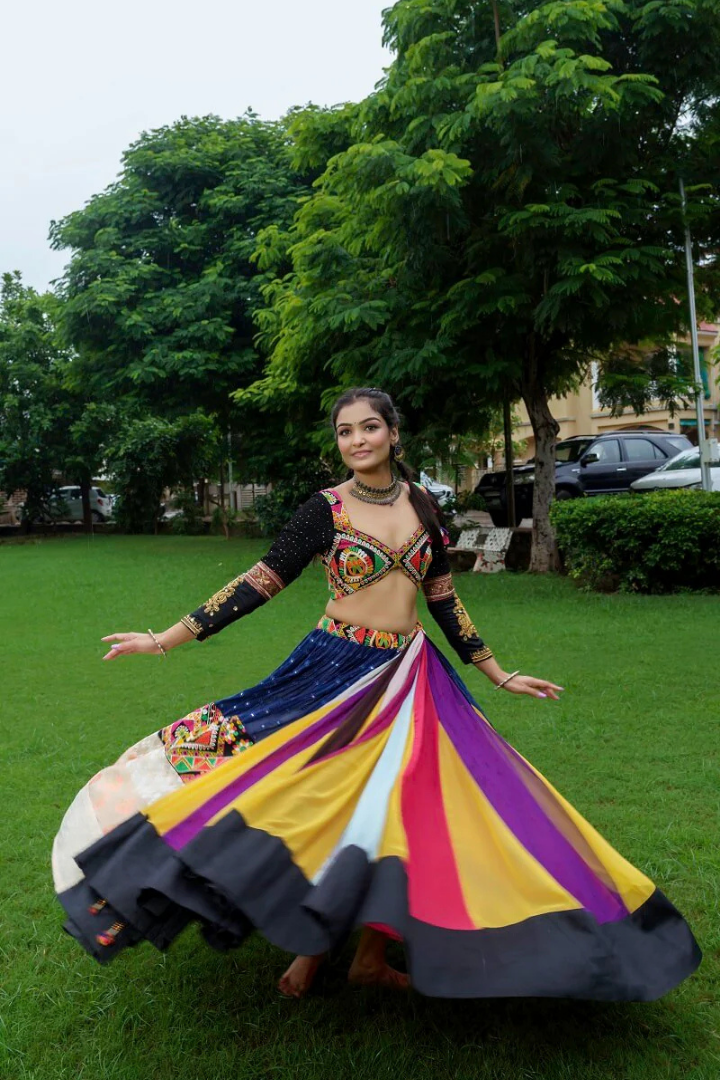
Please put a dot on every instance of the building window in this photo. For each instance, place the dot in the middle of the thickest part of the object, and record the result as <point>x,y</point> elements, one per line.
<point>704,373</point>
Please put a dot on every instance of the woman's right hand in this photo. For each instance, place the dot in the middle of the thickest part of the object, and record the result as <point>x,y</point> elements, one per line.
<point>130,643</point>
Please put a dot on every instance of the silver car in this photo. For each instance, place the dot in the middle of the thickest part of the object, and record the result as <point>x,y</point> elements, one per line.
<point>681,471</point>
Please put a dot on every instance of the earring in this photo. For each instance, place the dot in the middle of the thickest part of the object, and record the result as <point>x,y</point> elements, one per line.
<point>398,451</point>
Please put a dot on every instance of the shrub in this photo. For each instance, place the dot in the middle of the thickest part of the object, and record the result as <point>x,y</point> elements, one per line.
<point>190,521</point>
<point>240,523</point>
<point>275,509</point>
<point>469,500</point>
<point>150,454</point>
<point>302,478</point>
<point>656,542</point>
<point>449,508</point>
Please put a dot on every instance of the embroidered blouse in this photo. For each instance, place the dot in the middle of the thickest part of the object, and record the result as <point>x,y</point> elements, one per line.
<point>356,560</point>
<point>353,560</point>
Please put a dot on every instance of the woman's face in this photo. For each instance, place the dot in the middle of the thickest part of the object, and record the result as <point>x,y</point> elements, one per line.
<point>363,437</point>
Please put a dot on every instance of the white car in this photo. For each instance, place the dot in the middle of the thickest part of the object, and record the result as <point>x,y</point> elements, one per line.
<point>69,504</point>
<point>442,492</point>
<point>681,471</point>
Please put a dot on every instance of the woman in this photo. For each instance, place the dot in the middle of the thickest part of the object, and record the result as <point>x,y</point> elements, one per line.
<point>361,785</point>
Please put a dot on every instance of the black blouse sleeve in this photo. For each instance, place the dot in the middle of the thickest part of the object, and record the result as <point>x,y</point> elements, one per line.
<point>447,609</point>
<point>308,533</point>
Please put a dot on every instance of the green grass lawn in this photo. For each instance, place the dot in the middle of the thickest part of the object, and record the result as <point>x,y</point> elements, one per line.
<point>633,744</point>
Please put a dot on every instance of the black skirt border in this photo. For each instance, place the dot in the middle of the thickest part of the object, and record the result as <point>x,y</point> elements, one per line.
<point>234,879</point>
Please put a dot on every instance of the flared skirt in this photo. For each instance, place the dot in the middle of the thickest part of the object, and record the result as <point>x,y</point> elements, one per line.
<point>362,785</point>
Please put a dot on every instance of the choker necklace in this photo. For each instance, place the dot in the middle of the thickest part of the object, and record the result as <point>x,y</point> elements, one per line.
<point>380,496</point>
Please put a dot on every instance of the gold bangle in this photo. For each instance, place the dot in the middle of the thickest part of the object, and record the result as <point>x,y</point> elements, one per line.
<point>500,685</point>
<point>162,650</point>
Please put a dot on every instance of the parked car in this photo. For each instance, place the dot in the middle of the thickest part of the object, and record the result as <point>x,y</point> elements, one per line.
<point>442,492</point>
<point>65,504</point>
<point>682,471</point>
<point>586,465</point>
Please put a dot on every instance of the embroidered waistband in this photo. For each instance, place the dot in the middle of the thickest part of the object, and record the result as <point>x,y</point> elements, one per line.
<point>362,635</point>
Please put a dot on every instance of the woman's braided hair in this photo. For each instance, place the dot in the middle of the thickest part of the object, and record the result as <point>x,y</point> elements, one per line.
<point>423,504</point>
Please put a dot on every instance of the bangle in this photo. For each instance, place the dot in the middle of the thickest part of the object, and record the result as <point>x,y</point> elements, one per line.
<point>162,650</point>
<point>500,685</point>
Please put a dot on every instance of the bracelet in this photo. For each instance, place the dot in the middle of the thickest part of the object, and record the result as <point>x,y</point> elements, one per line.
<point>162,650</point>
<point>501,684</point>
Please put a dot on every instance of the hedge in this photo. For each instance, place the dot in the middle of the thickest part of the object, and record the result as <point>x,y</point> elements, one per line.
<point>652,542</point>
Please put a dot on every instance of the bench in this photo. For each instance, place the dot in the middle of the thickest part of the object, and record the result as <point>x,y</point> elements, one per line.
<point>484,548</point>
<point>487,544</point>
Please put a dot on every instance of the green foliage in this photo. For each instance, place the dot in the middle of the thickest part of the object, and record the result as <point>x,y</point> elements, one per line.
<point>161,284</point>
<point>189,522</point>
<point>497,214</point>
<point>449,508</point>
<point>151,454</point>
<point>223,519</point>
<point>645,376</point>
<point>502,215</point>
<point>655,542</point>
<point>544,235</point>
<point>277,507</point>
<point>468,500</point>
<point>35,407</point>
<point>164,277</point>
<point>235,523</point>
<point>51,431</point>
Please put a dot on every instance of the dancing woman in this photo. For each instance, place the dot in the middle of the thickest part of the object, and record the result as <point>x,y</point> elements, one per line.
<point>360,784</point>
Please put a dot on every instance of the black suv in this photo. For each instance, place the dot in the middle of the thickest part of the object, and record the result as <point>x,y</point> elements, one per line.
<point>585,465</point>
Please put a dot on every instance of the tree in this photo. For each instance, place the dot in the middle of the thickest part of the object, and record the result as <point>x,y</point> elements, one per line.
<point>89,436</point>
<point>150,454</point>
<point>50,428</point>
<point>507,211</point>
<point>34,408</point>
<point>161,286</point>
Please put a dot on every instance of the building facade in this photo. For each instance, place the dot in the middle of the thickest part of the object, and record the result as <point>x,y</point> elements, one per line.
<point>580,413</point>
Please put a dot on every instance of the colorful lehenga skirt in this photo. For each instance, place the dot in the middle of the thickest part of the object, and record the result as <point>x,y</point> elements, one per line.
<point>361,784</point>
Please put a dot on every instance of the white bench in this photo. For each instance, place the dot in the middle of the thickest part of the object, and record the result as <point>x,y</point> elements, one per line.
<point>488,543</point>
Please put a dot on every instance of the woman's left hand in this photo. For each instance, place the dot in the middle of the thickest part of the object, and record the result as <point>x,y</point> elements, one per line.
<point>527,684</point>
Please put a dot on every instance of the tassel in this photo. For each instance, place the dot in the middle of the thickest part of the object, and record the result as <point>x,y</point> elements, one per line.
<point>108,938</point>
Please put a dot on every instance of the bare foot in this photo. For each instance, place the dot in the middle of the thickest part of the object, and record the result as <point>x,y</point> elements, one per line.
<point>378,975</point>
<point>298,978</point>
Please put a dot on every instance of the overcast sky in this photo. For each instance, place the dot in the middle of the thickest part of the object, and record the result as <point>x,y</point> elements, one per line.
<point>80,80</point>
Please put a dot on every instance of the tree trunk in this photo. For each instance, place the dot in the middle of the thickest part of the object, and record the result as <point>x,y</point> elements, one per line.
<point>496,20</point>
<point>543,556</point>
<point>223,509</point>
<point>86,511</point>
<point>509,464</point>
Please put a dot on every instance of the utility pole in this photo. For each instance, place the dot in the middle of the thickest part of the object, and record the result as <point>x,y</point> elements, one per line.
<point>699,397</point>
